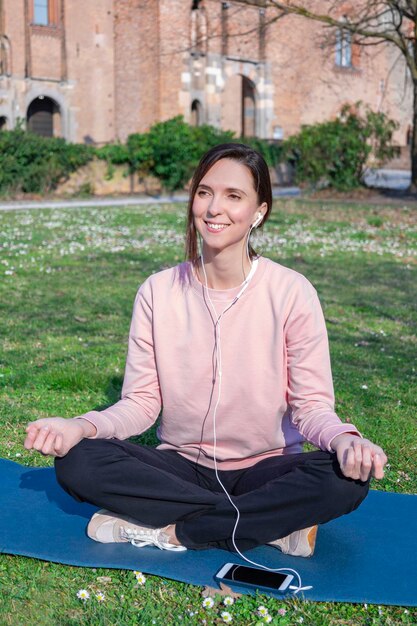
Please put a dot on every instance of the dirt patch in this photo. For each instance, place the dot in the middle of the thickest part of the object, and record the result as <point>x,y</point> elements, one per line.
<point>97,178</point>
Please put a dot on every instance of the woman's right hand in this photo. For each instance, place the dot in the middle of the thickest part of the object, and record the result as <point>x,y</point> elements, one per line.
<point>55,436</point>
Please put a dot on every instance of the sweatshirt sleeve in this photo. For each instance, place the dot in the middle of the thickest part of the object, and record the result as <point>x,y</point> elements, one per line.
<point>310,384</point>
<point>140,401</point>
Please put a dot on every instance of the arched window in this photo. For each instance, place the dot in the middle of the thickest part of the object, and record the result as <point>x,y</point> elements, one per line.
<point>43,117</point>
<point>3,122</point>
<point>248,108</point>
<point>196,113</point>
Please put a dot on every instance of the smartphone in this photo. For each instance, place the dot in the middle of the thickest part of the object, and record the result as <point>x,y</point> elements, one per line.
<point>253,577</point>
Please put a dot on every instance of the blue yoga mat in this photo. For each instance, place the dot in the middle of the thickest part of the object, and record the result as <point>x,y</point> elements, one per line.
<point>367,556</point>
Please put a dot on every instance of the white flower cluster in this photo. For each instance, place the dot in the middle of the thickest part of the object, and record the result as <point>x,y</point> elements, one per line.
<point>264,613</point>
<point>32,239</point>
<point>84,595</point>
<point>394,240</point>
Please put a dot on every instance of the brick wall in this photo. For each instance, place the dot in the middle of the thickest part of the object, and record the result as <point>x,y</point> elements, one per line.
<point>137,58</point>
<point>89,92</point>
<point>117,66</point>
<point>71,62</point>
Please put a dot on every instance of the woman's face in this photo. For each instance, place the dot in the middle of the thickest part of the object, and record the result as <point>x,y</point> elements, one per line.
<point>225,205</point>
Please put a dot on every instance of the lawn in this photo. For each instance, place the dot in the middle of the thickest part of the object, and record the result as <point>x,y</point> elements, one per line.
<point>69,278</point>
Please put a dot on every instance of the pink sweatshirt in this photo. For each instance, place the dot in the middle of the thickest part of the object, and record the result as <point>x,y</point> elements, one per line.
<point>277,388</point>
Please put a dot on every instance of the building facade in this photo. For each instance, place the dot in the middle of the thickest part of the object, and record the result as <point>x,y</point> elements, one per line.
<point>95,72</point>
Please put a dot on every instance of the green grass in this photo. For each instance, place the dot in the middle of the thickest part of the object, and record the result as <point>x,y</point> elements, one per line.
<point>69,278</point>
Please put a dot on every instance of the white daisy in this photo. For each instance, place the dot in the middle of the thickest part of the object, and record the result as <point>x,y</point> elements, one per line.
<point>208,603</point>
<point>83,594</point>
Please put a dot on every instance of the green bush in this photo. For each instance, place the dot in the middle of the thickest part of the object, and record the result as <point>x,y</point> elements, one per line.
<point>206,137</point>
<point>171,150</point>
<point>177,147</point>
<point>33,164</point>
<point>335,153</point>
<point>272,152</point>
<point>136,153</point>
<point>141,154</point>
<point>114,153</point>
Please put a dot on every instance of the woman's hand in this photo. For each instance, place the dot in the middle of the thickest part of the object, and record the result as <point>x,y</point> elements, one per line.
<point>55,436</point>
<point>359,458</point>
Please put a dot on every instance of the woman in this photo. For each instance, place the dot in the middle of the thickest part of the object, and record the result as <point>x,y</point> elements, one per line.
<point>233,348</point>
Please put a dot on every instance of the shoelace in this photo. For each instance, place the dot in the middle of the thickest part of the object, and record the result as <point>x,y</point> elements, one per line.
<point>149,537</point>
<point>284,544</point>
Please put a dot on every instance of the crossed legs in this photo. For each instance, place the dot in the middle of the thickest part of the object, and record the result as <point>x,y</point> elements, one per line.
<point>158,488</point>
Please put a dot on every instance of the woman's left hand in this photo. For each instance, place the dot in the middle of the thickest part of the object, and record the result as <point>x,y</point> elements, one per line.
<point>359,458</point>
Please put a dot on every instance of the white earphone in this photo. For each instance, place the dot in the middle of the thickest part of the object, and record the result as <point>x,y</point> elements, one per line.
<point>258,220</point>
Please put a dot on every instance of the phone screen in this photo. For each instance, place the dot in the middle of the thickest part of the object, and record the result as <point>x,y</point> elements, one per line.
<point>256,577</point>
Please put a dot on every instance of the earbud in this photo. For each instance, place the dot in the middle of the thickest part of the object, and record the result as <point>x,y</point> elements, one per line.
<point>258,220</point>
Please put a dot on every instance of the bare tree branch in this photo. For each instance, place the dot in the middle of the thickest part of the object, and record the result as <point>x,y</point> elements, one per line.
<point>371,23</point>
<point>378,20</point>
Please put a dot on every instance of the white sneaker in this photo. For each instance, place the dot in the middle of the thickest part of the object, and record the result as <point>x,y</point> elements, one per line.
<point>298,543</point>
<point>108,527</point>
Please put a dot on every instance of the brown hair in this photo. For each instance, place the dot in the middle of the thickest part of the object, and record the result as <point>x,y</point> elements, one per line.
<point>261,182</point>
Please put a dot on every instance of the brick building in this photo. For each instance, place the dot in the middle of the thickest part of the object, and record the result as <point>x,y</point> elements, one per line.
<point>96,71</point>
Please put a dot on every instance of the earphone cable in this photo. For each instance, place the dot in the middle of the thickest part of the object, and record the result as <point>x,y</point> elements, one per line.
<point>217,330</point>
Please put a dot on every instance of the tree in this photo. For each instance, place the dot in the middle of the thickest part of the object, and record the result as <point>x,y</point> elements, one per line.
<point>370,23</point>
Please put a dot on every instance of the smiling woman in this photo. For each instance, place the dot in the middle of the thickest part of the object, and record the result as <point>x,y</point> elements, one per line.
<point>250,182</point>
<point>224,210</point>
<point>240,368</point>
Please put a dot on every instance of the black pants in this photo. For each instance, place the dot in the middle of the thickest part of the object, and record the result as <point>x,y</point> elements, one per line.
<point>157,487</point>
